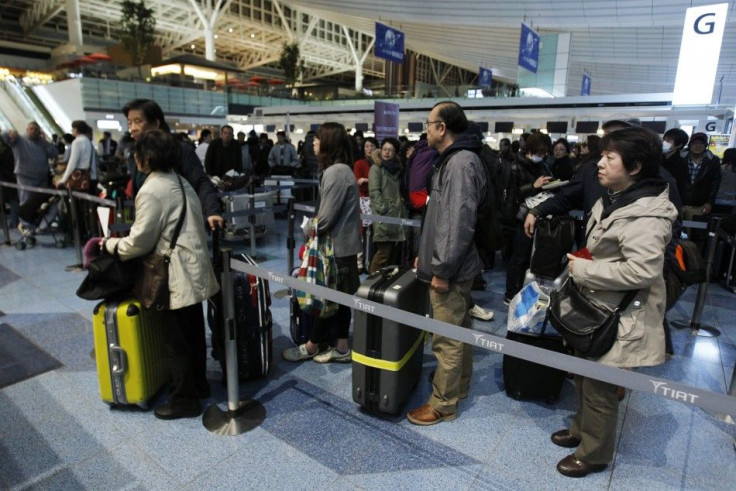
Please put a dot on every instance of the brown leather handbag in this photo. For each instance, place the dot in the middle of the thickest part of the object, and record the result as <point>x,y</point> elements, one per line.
<point>151,287</point>
<point>79,180</point>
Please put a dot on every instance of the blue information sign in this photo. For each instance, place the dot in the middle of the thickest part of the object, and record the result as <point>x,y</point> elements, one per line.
<point>389,43</point>
<point>529,48</point>
<point>485,76</point>
<point>585,89</point>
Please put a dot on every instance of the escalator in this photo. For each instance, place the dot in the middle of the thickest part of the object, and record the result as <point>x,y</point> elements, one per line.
<point>42,109</point>
<point>15,117</point>
<point>22,101</point>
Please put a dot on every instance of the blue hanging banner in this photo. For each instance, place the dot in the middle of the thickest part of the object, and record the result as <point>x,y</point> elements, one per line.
<point>585,89</point>
<point>485,76</point>
<point>528,48</point>
<point>389,43</point>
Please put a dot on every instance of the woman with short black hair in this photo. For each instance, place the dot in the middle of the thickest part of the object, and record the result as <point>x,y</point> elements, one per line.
<point>158,207</point>
<point>628,230</point>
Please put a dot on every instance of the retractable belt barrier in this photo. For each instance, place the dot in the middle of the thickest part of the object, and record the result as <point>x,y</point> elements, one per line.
<point>712,401</point>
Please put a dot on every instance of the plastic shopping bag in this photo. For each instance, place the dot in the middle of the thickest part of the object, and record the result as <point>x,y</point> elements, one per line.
<point>528,311</point>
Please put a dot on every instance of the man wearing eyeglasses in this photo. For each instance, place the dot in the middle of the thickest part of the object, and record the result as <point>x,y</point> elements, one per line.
<point>448,259</point>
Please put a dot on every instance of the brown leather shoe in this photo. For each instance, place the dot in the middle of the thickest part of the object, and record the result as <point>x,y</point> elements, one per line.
<point>564,439</point>
<point>426,415</point>
<point>570,466</point>
<point>620,393</point>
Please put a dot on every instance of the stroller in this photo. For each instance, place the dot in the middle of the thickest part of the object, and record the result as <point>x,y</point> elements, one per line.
<point>39,212</point>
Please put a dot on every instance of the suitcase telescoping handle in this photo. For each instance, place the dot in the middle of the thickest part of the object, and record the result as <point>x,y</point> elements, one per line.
<point>216,253</point>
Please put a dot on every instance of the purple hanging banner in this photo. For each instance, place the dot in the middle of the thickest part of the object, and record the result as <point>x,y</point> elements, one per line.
<point>386,117</point>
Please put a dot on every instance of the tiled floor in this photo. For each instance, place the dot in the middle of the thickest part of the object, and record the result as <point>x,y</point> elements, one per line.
<point>55,433</point>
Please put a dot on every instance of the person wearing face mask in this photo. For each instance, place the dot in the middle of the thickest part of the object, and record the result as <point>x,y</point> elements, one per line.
<point>673,141</point>
<point>384,184</point>
<point>533,174</point>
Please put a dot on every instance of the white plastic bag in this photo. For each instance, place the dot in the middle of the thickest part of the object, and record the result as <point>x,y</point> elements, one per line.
<point>528,309</point>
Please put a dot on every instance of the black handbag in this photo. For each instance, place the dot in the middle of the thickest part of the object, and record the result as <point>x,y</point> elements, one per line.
<point>586,325</point>
<point>151,287</point>
<point>108,277</point>
<point>553,239</point>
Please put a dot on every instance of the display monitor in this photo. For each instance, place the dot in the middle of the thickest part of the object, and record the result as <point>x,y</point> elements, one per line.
<point>483,126</point>
<point>314,126</point>
<point>270,128</point>
<point>586,126</point>
<point>656,126</point>
<point>556,126</point>
<point>504,127</point>
<point>361,126</point>
<point>415,127</point>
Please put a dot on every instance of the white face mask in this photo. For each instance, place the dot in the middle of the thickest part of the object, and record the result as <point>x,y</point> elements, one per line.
<point>536,159</point>
<point>666,147</point>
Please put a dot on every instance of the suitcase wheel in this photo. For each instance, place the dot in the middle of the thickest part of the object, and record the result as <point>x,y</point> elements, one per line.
<point>20,245</point>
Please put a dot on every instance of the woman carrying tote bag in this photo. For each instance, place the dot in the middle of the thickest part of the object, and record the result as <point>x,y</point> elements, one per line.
<point>628,230</point>
<point>159,205</point>
<point>339,217</point>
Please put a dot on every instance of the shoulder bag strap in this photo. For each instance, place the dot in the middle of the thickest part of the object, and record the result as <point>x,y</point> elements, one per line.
<point>181,218</point>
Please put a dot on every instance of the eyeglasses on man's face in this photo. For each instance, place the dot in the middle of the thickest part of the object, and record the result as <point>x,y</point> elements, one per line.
<point>427,123</point>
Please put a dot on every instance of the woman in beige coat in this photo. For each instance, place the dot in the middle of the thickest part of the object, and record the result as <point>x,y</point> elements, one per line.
<point>158,206</point>
<point>628,230</point>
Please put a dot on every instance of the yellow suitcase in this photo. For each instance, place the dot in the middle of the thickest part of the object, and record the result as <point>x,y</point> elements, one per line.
<point>130,353</point>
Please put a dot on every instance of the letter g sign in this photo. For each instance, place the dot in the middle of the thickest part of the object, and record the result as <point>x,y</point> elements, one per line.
<point>710,26</point>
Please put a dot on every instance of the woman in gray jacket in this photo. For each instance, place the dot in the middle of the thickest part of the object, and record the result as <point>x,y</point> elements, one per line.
<point>158,206</point>
<point>384,184</point>
<point>628,230</point>
<point>339,216</point>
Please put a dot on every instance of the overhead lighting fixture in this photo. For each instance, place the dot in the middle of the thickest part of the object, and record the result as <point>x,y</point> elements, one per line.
<point>193,46</point>
<point>230,30</point>
<point>215,36</point>
<point>252,35</point>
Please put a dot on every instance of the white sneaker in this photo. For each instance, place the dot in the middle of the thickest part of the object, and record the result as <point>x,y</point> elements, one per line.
<point>333,355</point>
<point>298,353</point>
<point>479,312</point>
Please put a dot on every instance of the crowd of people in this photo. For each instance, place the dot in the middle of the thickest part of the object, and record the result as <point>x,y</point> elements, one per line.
<point>633,188</point>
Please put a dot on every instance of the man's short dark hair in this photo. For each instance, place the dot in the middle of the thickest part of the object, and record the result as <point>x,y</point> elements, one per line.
<point>453,116</point>
<point>281,133</point>
<point>204,134</point>
<point>151,111</point>
<point>636,145</point>
<point>701,137</point>
<point>106,134</point>
<point>158,149</point>
<point>677,135</point>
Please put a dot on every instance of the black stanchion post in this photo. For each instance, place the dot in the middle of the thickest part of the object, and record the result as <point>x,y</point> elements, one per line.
<point>241,416</point>
<point>694,324</point>
<point>252,221</point>
<point>3,216</point>
<point>74,210</point>
<point>290,242</point>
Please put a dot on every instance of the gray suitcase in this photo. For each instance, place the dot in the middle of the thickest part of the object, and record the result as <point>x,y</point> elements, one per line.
<point>387,356</point>
<point>236,203</point>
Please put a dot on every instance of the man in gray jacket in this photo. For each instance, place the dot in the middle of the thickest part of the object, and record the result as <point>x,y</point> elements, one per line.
<point>32,153</point>
<point>448,259</point>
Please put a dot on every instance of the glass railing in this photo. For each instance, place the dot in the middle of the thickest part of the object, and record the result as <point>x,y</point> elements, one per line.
<point>15,90</point>
<point>111,95</point>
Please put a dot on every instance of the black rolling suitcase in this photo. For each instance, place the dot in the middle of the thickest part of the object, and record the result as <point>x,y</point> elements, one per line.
<point>300,324</point>
<point>527,380</point>
<point>253,321</point>
<point>387,357</point>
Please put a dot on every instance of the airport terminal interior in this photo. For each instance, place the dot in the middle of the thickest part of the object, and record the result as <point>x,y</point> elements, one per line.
<point>215,63</point>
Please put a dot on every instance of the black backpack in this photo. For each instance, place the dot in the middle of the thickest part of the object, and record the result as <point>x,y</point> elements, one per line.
<point>487,236</point>
<point>506,184</point>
